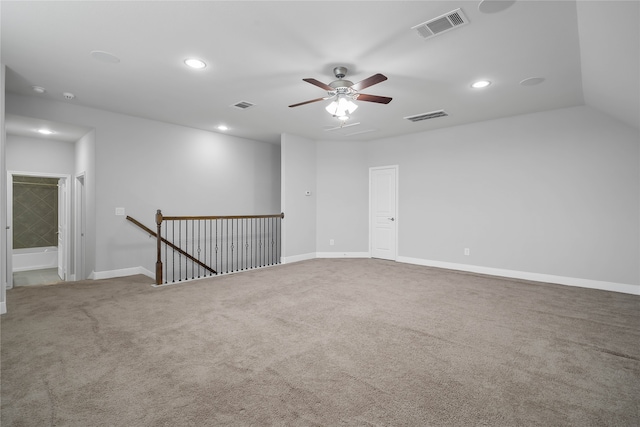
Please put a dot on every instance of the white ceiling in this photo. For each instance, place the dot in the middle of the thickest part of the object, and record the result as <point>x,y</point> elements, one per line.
<point>29,126</point>
<point>260,51</point>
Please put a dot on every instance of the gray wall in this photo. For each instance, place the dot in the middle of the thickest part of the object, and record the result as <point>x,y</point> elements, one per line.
<point>298,176</point>
<point>40,155</point>
<point>555,193</point>
<point>4,271</point>
<point>342,197</point>
<point>603,68</point>
<point>144,165</point>
<point>85,164</point>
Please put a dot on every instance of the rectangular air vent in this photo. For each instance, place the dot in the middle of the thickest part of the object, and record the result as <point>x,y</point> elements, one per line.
<point>243,105</point>
<point>341,127</point>
<point>441,24</point>
<point>427,116</point>
<point>361,132</point>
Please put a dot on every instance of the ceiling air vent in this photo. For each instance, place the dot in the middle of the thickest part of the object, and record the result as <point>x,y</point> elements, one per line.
<point>361,132</point>
<point>427,116</point>
<point>329,129</point>
<point>441,24</point>
<point>243,105</point>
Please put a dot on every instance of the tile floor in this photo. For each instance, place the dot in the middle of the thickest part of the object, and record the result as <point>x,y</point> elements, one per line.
<point>47,276</point>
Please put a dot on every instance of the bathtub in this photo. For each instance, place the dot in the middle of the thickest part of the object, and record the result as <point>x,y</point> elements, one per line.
<point>35,258</point>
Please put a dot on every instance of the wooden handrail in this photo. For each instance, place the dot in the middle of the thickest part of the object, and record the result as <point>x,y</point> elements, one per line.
<point>172,246</point>
<point>180,218</point>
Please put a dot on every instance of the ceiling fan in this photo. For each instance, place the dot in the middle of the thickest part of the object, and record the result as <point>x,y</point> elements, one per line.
<point>344,92</point>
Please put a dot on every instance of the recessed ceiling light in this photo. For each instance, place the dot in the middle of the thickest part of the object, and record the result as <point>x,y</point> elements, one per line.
<point>46,131</point>
<point>223,127</point>
<point>480,84</point>
<point>38,89</point>
<point>195,63</point>
<point>532,81</point>
<point>102,56</point>
<point>494,6</point>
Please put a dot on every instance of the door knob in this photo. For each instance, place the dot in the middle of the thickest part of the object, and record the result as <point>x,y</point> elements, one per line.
<point>392,219</point>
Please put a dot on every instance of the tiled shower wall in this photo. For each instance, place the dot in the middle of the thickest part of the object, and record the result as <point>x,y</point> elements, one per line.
<point>35,212</point>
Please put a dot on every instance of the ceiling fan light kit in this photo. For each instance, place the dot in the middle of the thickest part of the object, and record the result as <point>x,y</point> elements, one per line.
<point>344,92</point>
<point>341,106</point>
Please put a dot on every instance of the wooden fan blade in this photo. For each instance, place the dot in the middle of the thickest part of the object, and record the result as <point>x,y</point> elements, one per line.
<point>306,102</point>
<point>374,98</point>
<point>319,84</point>
<point>375,79</point>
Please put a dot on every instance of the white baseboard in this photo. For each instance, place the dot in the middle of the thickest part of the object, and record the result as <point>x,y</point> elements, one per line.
<point>536,277</point>
<point>513,274</point>
<point>297,258</point>
<point>314,255</point>
<point>110,274</point>
<point>34,267</point>
<point>343,255</point>
<point>3,307</point>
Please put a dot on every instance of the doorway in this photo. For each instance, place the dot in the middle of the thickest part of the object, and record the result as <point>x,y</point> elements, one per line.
<point>38,221</point>
<point>383,212</point>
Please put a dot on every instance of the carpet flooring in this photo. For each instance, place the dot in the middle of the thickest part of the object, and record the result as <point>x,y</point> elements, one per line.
<point>332,342</point>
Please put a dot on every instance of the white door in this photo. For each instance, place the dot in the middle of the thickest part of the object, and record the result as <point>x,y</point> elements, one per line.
<point>383,211</point>
<point>62,224</point>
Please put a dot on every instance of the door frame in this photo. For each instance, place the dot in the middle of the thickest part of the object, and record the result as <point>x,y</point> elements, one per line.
<point>397,207</point>
<point>67,225</point>
<point>79,225</point>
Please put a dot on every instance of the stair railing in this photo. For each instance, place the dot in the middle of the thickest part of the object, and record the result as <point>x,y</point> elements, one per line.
<point>190,247</point>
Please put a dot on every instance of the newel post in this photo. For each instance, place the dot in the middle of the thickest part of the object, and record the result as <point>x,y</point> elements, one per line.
<point>159,249</point>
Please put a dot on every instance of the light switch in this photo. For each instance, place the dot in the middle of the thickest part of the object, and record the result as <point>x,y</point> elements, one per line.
<point>120,211</point>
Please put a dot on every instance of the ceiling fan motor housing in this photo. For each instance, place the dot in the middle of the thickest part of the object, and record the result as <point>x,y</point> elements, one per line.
<point>342,87</point>
<point>340,72</point>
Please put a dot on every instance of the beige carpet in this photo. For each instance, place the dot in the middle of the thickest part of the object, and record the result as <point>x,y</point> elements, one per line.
<point>321,343</point>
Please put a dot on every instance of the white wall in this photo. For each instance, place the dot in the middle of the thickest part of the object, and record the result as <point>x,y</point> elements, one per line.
<point>144,165</point>
<point>610,79</point>
<point>298,176</point>
<point>552,196</point>
<point>555,193</point>
<point>342,198</point>
<point>3,201</point>
<point>33,155</point>
<point>85,164</point>
<point>26,154</point>
<point>42,155</point>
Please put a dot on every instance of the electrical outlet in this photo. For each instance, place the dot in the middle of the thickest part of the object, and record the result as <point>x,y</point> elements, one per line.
<point>466,251</point>
<point>331,242</point>
<point>120,211</point>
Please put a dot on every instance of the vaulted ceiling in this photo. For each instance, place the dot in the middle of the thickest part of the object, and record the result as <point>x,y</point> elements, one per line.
<point>259,52</point>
